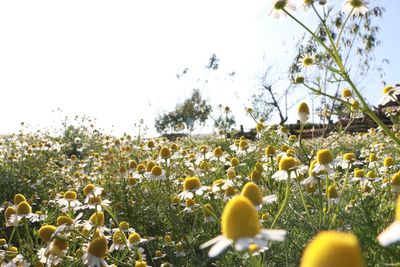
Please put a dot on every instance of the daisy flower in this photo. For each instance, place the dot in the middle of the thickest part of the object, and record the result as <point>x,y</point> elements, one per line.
<point>192,186</point>
<point>68,200</point>
<point>95,252</point>
<point>241,228</point>
<point>135,239</point>
<point>333,195</point>
<point>119,241</point>
<point>253,193</point>
<point>156,174</point>
<point>392,233</point>
<point>23,211</point>
<point>278,7</point>
<point>303,112</point>
<point>288,165</point>
<point>306,61</point>
<point>324,161</point>
<point>332,248</point>
<point>306,4</point>
<point>356,7</point>
<point>390,93</point>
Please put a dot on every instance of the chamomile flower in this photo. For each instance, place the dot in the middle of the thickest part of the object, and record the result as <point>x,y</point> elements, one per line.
<point>23,212</point>
<point>333,195</point>
<point>307,60</point>
<point>392,233</point>
<point>303,112</point>
<point>69,200</point>
<point>135,239</point>
<point>241,228</point>
<point>306,4</point>
<point>324,161</point>
<point>356,7</point>
<point>287,166</point>
<point>332,249</point>
<point>278,7</point>
<point>253,193</point>
<point>95,253</point>
<point>390,93</point>
<point>191,187</point>
<point>119,241</point>
<point>156,174</point>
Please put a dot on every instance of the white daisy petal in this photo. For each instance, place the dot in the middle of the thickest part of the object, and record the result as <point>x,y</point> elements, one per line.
<point>390,235</point>
<point>218,247</point>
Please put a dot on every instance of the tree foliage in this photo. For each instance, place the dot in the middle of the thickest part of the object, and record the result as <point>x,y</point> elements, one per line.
<point>194,110</point>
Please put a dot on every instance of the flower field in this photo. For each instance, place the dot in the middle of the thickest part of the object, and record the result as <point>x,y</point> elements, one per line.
<point>89,199</point>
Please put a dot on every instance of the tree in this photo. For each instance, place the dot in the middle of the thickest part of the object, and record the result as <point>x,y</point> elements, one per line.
<point>185,116</point>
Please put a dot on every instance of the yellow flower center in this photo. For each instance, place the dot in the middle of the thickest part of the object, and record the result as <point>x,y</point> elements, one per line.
<point>234,162</point>
<point>203,149</point>
<point>132,181</point>
<point>259,127</point>
<point>98,247</point>
<point>372,157</point>
<point>308,61</point>
<point>140,168</point>
<point>95,200</point>
<point>243,144</point>
<point>97,218</point>
<point>150,166</point>
<point>230,191</point>
<point>332,249</point>
<point>24,208</point>
<point>280,4</point>
<point>359,173</point>
<point>218,152</point>
<point>189,202</point>
<point>18,198</point>
<point>356,3</point>
<point>45,232</point>
<point>8,212</point>
<point>158,253</point>
<point>303,107</point>
<point>299,79</point>
<point>70,195</point>
<point>255,176</point>
<point>140,263</point>
<point>231,173</point>
<point>156,170</point>
<point>324,156</point>
<point>118,237</point>
<point>270,151</point>
<point>60,244</point>
<point>387,89</point>
<point>132,164</point>
<point>191,183</point>
<point>124,226</point>
<point>64,220</point>
<point>150,144</point>
<point>349,156</point>
<point>239,219</point>
<point>134,238</point>
<point>371,174</point>
<point>88,189</point>
<point>388,161</point>
<point>347,92</point>
<point>253,193</point>
<point>332,192</point>
<point>165,152</point>
<point>287,163</point>
<point>396,179</point>
<point>205,166</point>
<point>284,148</point>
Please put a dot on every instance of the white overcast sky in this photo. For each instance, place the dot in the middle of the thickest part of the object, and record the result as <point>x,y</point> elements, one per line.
<point>117,61</point>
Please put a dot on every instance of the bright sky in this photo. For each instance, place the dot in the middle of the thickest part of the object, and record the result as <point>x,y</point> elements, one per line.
<point>117,61</point>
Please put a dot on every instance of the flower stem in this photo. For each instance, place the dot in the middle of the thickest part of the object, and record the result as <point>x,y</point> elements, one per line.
<point>285,201</point>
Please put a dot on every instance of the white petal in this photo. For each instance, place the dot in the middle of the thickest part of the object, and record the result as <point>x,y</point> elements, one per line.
<point>390,235</point>
<point>270,199</point>
<point>220,246</point>
<point>242,243</point>
<point>211,242</point>
<point>276,235</point>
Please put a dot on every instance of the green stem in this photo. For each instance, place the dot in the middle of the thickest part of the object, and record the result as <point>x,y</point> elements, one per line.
<point>285,201</point>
